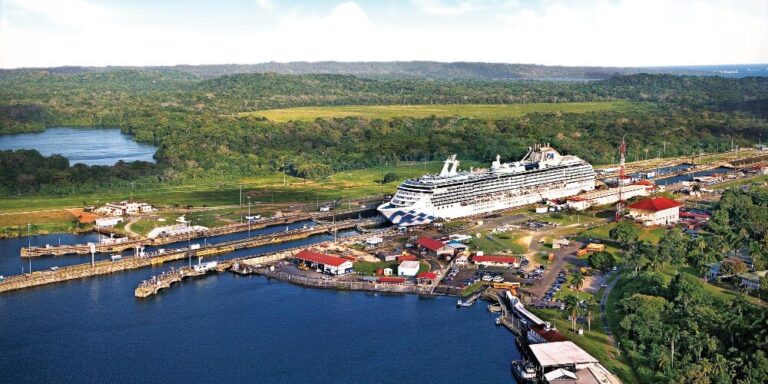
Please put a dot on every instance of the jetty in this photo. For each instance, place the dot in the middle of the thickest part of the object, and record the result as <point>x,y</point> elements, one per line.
<point>105,267</point>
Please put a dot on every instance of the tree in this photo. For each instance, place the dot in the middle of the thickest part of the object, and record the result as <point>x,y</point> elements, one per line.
<point>577,280</point>
<point>572,307</point>
<point>673,247</point>
<point>732,267</point>
<point>602,260</point>
<point>390,177</point>
<point>625,233</point>
<point>590,308</point>
<point>685,289</point>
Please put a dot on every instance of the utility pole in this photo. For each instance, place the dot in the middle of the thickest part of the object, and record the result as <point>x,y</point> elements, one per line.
<point>249,216</point>
<point>29,247</point>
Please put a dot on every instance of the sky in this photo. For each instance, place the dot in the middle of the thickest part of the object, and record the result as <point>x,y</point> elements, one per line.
<point>45,33</point>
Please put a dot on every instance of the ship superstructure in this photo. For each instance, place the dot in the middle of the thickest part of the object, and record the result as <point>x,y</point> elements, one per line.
<point>542,174</point>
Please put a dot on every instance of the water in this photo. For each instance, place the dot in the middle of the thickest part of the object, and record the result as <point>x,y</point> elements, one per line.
<point>229,328</point>
<point>80,145</point>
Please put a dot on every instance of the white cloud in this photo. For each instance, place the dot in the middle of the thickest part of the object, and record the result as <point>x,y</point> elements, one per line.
<point>438,7</point>
<point>565,32</point>
<point>265,4</point>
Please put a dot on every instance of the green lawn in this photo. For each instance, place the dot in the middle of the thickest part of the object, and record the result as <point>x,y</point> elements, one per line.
<point>369,267</point>
<point>651,235</point>
<point>488,111</point>
<point>497,243</point>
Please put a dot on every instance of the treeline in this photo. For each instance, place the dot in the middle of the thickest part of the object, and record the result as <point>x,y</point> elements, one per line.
<point>25,171</point>
<point>193,121</point>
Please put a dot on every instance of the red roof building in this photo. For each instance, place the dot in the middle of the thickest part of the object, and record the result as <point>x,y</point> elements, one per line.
<point>491,260</point>
<point>427,275</point>
<point>550,335</point>
<point>405,257</point>
<point>656,211</point>
<point>330,264</point>
<point>430,244</point>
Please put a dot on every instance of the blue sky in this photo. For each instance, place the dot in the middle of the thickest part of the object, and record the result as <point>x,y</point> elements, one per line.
<point>42,33</point>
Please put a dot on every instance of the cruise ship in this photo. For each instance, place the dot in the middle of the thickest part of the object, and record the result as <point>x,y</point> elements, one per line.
<point>542,174</point>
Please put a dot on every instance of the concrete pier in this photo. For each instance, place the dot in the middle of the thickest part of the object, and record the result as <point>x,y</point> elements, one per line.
<point>132,262</point>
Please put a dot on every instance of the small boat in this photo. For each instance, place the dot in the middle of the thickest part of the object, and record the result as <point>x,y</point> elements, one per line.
<point>54,268</point>
<point>524,371</point>
<point>498,321</point>
<point>461,303</point>
<point>116,257</point>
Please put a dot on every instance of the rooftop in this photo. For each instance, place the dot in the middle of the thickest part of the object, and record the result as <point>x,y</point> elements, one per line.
<point>495,259</point>
<point>655,204</point>
<point>320,258</point>
<point>430,243</point>
<point>561,353</point>
<point>409,264</point>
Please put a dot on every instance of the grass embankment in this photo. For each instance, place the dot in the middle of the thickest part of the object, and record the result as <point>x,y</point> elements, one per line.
<point>262,189</point>
<point>485,111</point>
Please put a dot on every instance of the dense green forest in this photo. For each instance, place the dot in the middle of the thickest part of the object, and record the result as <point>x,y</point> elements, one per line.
<point>676,328</point>
<point>193,121</point>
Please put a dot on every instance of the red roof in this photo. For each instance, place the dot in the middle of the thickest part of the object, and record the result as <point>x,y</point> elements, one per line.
<point>430,243</point>
<point>551,335</point>
<point>391,280</point>
<point>427,275</point>
<point>320,258</point>
<point>406,257</point>
<point>655,204</point>
<point>496,259</point>
<point>644,182</point>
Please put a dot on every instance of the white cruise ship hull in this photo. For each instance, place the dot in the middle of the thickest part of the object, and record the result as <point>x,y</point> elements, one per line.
<point>424,212</point>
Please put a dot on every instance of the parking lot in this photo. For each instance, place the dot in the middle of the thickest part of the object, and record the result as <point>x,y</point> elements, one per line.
<point>463,277</point>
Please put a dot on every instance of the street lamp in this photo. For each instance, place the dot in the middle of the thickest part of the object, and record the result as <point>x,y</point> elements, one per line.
<point>248,218</point>
<point>29,246</point>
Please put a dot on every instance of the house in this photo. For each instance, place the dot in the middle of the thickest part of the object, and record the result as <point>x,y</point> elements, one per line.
<point>124,208</point>
<point>656,211</point>
<point>387,272</point>
<point>387,256</point>
<point>430,246</point>
<point>330,264</point>
<point>751,280</point>
<point>496,261</point>
<point>426,278</point>
<point>714,270</point>
<point>408,268</point>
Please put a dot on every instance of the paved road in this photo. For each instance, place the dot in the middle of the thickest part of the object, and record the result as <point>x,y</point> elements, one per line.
<point>603,301</point>
<point>562,256</point>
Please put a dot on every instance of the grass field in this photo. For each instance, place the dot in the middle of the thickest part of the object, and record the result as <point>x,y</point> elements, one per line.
<point>497,243</point>
<point>265,189</point>
<point>487,111</point>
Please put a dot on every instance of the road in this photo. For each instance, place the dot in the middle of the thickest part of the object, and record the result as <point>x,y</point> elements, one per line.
<point>562,256</point>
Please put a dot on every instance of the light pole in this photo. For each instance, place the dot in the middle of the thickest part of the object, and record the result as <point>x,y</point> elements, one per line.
<point>29,246</point>
<point>249,216</point>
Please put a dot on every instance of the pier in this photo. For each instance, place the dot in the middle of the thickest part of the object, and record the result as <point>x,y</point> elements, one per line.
<point>84,249</point>
<point>104,267</point>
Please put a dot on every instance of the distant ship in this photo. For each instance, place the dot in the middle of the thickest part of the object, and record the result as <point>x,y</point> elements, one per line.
<point>542,174</point>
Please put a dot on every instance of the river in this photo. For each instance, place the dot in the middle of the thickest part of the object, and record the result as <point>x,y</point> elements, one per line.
<point>230,328</point>
<point>90,146</point>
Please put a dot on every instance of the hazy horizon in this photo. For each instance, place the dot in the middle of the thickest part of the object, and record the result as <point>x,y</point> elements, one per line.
<point>598,33</point>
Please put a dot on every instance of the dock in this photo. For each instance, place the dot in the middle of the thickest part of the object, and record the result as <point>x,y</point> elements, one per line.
<point>105,267</point>
<point>84,249</point>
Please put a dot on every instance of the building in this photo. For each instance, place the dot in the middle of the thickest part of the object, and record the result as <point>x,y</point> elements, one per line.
<point>752,280</point>
<point>496,261</point>
<point>108,221</point>
<point>607,196</point>
<point>559,243</point>
<point>563,362</point>
<point>544,333</point>
<point>426,278</point>
<point>656,211</point>
<point>408,268</point>
<point>434,247</point>
<point>330,264</point>
<point>124,208</point>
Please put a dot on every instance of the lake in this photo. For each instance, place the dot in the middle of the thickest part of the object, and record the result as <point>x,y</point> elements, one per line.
<point>102,146</point>
<point>231,328</point>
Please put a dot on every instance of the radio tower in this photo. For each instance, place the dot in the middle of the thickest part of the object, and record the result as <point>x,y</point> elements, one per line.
<point>620,203</point>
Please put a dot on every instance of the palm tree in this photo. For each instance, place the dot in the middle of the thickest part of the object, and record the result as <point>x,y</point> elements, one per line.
<point>572,306</point>
<point>577,281</point>
<point>590,308</point>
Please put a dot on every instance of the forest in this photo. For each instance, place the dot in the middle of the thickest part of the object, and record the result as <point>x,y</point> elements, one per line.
<point>194,121</point>
<point>675,327</point>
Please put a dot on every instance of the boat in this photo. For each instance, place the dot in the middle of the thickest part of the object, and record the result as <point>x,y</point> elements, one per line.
<point>542,174</point>
<point>498,321</point>
<point>524,371</point>
<point>116,257</point>
<point>461,303</point>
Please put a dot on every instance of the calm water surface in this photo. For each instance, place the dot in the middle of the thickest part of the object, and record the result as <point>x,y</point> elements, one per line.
<point>82,145</point>
<point>229,328</point>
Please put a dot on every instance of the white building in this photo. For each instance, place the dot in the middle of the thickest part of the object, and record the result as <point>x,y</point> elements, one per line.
<point>656,211</point>
<point>607,196</point>
<point>408,268</point>
<point>108,221</point>
<point>330,264</point>
<point>124,208</point>
<point>496,261</point>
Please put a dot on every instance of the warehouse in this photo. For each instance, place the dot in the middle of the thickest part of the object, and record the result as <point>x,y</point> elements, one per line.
<point>656,211</point>
<point>330,264</point>
<point>496,261</point>
<point>408,268</point>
